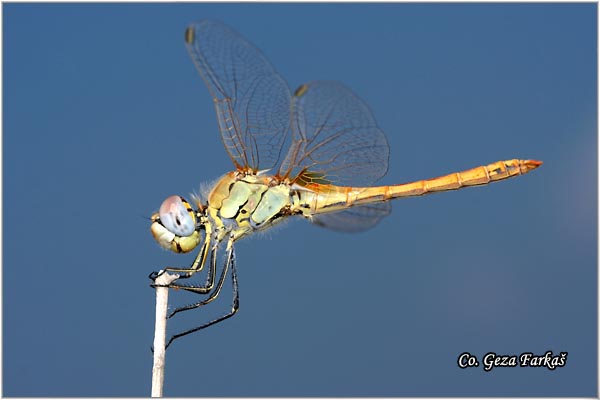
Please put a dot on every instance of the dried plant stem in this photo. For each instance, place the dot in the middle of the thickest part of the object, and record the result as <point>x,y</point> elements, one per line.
<point>160,333</point>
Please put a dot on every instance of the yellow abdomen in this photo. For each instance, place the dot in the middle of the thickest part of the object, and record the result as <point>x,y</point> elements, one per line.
<point>329,198</point>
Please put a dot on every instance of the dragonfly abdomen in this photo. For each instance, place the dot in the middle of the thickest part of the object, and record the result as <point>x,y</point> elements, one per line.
<point>329,198</point>
<point>478,176</point>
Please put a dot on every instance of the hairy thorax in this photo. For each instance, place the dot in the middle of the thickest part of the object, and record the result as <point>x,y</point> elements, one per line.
<point>241,203</point>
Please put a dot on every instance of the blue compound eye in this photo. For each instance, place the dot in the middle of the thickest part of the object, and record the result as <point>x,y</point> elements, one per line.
<point>177,216</point>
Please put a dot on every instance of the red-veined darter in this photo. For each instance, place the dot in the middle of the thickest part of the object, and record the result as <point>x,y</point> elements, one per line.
<point>312,153</point>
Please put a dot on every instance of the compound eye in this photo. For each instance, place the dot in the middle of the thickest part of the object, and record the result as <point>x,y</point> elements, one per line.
<point>177,216</point>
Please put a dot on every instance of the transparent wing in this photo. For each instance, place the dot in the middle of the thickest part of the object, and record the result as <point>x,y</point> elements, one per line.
<point>251,99</point>
<point>355,219</point>
<point>334,137</point>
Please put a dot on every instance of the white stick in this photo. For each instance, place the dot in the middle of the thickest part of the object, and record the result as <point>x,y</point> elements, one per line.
<point>160,333</point>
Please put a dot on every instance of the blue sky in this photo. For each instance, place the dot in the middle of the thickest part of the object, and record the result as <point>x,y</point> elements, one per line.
<point>105,116</point>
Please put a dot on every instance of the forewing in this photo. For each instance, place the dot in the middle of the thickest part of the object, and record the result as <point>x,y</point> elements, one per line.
<point>355,219</point>
<point>251,99</point>
<point>335,137</point>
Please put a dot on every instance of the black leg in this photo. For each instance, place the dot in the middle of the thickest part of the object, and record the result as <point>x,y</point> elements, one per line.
<point>196,266</point>
<point>230,260</point>
<point>230,254</point>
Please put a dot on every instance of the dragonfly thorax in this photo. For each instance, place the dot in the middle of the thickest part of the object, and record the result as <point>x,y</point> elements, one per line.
<point>242,203</point>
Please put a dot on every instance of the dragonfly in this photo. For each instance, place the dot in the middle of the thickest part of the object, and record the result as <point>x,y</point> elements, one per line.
<point>313,153</point>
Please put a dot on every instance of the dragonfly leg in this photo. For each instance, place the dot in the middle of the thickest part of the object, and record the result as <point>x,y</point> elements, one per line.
<point>202,290</point>
<point>186,273</point>
<point>230,261</point>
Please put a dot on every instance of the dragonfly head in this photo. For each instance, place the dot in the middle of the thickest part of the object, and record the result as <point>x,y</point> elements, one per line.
<point>175,226</point>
